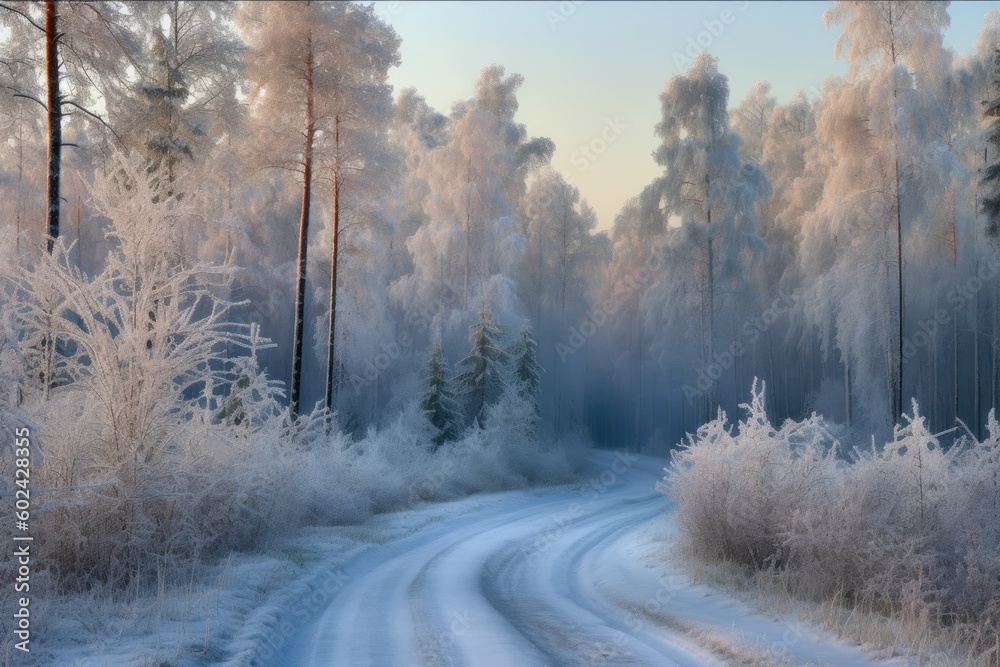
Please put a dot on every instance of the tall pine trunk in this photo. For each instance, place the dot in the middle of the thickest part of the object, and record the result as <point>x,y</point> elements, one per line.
<point>334,246</point>
<point>54,107</point>
<point>898,398</point>
<point>300,285</point>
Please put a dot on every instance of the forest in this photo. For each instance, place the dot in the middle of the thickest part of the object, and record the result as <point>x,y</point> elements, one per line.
<point>235,256</point>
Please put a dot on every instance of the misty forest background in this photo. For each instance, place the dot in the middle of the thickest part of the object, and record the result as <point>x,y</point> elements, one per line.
<point>228,242</point>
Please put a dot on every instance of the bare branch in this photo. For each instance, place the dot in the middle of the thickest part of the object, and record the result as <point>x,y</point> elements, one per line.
<point>95,117</point>
<point>30,97</point>
<point>22,14</point>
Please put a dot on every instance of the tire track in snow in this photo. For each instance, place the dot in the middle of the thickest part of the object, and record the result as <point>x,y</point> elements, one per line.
<point>585,631</point>
<point>371,619</point>
<point>500,586</point>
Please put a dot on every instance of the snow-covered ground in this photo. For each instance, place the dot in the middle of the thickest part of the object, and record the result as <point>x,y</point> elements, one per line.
<point>573,575</point>
<point>570,576</point>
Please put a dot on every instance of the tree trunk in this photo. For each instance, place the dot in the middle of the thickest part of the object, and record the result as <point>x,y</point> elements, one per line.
<point>975,358</point>
<point>334,245</point>
<point>954,335</point>
<point>79,233</point>
<point>54,107</point>
<point>847,390</point>
<point>468,232</point>
<point>638,364</point>
<point>20,180</point>
<point>300,285</point>
<point>710,398</point>
<point>898,397</point>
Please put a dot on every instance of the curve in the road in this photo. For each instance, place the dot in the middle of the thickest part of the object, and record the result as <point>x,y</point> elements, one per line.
<point>544,578</point>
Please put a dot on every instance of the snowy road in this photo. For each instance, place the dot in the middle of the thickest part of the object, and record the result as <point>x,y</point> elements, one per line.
<point>568,576</point>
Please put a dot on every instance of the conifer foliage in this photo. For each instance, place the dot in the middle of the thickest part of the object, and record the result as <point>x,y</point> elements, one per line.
<point>484,376</point>
<point>439,402</point>
<point>527,372</point>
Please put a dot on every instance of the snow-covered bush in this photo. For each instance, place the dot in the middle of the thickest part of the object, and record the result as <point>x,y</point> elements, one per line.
<point>141,412</point>
<point>400,466</point>
<point>736,491</point>
<point>911,528</point>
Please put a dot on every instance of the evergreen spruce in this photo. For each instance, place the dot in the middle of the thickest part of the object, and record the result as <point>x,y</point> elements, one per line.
<point>439,400</point>
<point>527,372</point>
<point>484,378</point>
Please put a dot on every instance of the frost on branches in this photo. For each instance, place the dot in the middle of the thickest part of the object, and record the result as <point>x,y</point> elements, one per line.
<point>132,377</point>
<point>908,528</point>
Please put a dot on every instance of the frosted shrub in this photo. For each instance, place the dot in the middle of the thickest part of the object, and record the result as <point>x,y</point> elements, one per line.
<point>340,480</point>
<point>736,492</point>
<point>141,414</point>
<point>910,529</point>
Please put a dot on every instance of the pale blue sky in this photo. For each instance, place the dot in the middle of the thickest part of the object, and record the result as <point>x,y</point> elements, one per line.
<point>610,60</point>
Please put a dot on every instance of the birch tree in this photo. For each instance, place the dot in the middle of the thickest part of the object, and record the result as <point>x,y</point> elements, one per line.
<point>712,194</point>
<point>885,44</point>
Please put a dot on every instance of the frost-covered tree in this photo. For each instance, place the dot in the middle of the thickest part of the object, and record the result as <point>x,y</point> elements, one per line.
<point>527,372</point>
<point>796,166</point>
<point>560,248</point>
<point>438,402</point>
<point>483,374</point>
<point>990,178</point>
<point>79,51</point>
<point>881,123</point>
<point>192,69</point>
<point>559,268</point>
<point>705,206</point>
<point>471,242</point>
<point>142,369</point>
<point>292,66</point>
<point>750,120</point>
<point>22,184</point>
<point>355,114</point>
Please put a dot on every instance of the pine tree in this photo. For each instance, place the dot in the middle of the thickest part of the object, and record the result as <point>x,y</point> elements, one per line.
<point>314,68</point>
<point>165,100</point>
<point>485,376</point>
<point>527,372</point>
<point>990,179</point>
<point>90,71</point>
<point>439,400</point>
